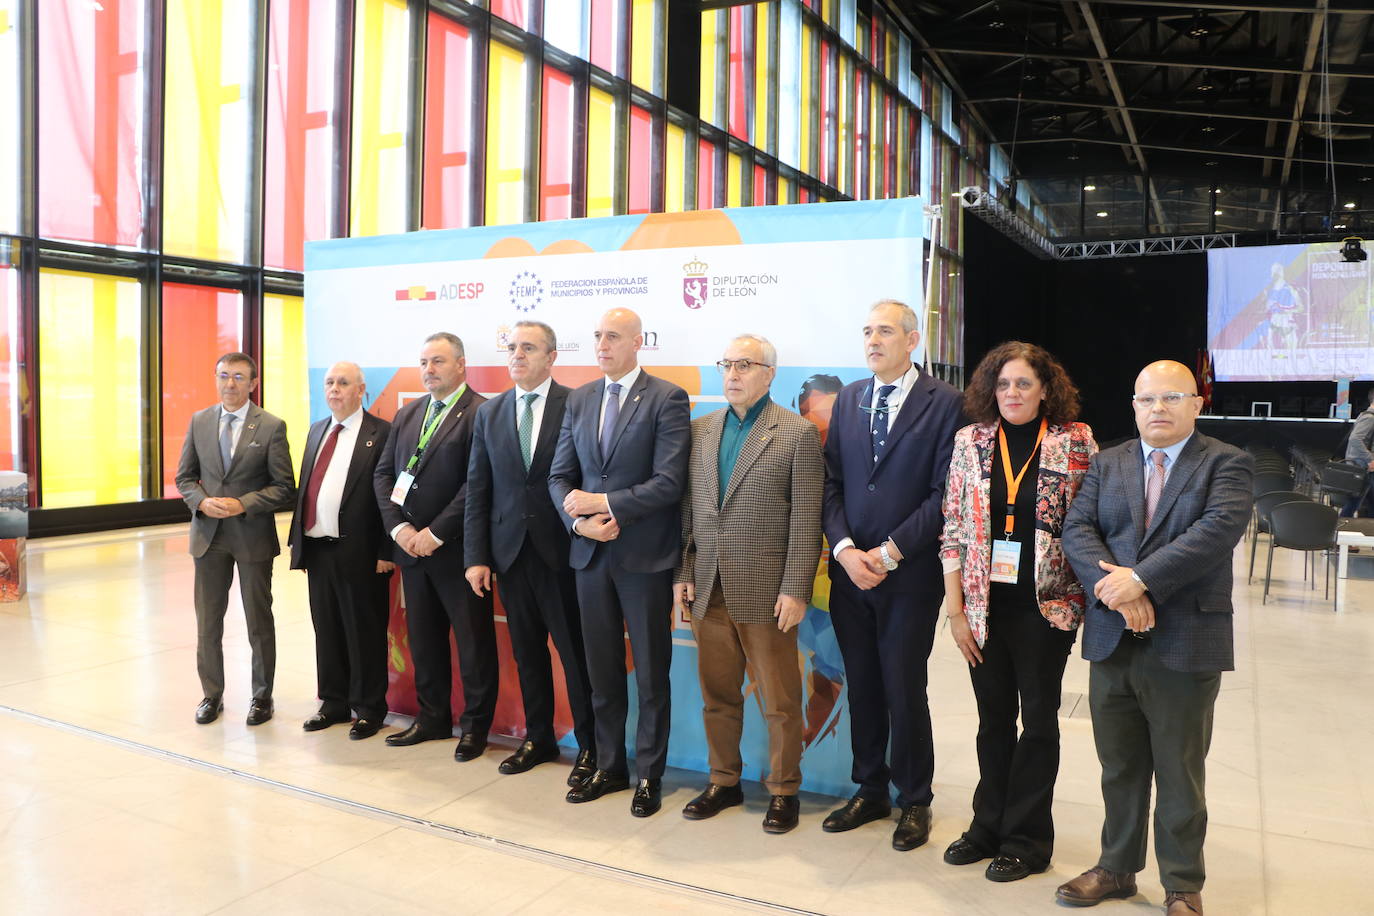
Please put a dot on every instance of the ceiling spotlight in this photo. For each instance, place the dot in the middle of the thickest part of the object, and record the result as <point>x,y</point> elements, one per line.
<point>1073,152</point>
<point>1339,226</point>
<point>1367,178</point>
<point>1199,29</point>
<point>1204,83</point>
<point>1216,213</point>
<point>1211,163</point>
<point>1350,205</point>
<point>1090,187</point>
<point>1209,128</point>
<point>1351,250</point>
<point>1102,214</point>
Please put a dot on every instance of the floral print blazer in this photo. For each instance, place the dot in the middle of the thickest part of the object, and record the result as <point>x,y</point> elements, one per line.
<point>967,540</point>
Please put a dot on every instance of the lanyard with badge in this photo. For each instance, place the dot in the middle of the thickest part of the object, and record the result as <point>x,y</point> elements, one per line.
<point>1006,553</point>
<point>406,478</point>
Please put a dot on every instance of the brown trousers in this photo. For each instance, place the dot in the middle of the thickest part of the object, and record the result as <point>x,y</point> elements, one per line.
<point>725,650</point>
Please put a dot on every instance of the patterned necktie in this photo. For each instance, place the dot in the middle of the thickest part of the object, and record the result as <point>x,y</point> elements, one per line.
<point>527,427</point>
<point>880,421</point>
<point>436,407</point>
<point>608,422</point>
<point>226,441</point>
<point>1155,486</point>
<point>312,487</point>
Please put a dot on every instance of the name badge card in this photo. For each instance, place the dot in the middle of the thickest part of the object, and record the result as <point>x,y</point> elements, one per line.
<point>1006,561</point>
<point>403,483</point>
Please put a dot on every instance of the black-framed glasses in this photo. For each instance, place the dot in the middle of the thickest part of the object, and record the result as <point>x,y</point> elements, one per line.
<point>742,366</point>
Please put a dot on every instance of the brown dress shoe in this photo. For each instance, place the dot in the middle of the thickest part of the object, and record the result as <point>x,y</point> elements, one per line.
<point>1182,903</point>
<point>1095,885</point>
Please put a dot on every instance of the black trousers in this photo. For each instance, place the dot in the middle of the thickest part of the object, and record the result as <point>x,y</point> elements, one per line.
<point>348,606</point>
<point>615,602</point>
<point>885,638</point>
<point>438,599</point>
<point>541,604</point>
<point>1022,670</point>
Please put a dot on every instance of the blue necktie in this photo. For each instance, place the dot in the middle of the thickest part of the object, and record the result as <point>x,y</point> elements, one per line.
<point>880,421</point>
<point>608,422</point>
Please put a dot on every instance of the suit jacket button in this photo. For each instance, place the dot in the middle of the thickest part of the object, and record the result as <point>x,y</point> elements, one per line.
<point>603,477</point>
<point>872,487</point>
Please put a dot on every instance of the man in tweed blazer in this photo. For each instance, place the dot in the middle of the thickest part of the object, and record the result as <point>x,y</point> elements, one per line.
<point>1150,536</point>
<point>751,532</point>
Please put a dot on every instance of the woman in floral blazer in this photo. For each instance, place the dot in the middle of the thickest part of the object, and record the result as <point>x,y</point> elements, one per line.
<point>1014,620</point>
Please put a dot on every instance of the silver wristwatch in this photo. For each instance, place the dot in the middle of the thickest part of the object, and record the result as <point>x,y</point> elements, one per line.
<point>888,563</point>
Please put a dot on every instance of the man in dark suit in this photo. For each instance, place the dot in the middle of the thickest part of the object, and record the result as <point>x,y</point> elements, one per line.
<point>1151,533</point>
<point>421,484</point>
<point>234,474</point>
<point>337,538</point>
<point>512,525</point>
<point>887,456</point>
<point>618,474</point>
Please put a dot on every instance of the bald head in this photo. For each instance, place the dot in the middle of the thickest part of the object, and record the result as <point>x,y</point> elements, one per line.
<point>1160,422</point>
<point>344,388</point>
<point>619,335</point>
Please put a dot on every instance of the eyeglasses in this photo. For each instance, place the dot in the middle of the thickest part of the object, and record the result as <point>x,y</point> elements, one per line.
<point>1022,384</point>
<point>236,376</point>
<point>742,366</point>
<point>1168,399</point>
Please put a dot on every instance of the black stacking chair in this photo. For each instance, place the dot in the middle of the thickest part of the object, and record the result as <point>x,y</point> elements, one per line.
<point>1264,505</point>
<point>1305,526</point>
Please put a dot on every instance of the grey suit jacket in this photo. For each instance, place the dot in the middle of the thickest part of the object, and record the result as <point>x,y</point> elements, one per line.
<point>764,538</point>
<point>259,475</point>
<point>1184,557</point>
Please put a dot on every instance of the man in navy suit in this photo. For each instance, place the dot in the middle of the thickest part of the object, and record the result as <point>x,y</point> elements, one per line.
<point>421,485</point>
<point>618,474</point>
<point>511,525</point>
<point>337,538</point>
<point>887,456</point>
<point>1151,533</point>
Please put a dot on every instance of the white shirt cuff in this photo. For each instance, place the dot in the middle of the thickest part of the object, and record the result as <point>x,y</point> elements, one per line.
<point>434,538</point>
<point>835,551</point>
<point>398,528</point>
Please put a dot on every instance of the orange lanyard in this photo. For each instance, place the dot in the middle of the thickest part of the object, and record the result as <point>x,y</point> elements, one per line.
<point>1014,483</point>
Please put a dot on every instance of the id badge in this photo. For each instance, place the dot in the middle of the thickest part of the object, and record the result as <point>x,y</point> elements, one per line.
<point>403,482</point>
<point>1006,561</point>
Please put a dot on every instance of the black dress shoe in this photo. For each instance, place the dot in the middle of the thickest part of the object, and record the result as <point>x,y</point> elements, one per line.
<point>584,767</point>
<point>527,757</point>
<point>1011,868</point>
<point>322,720</point>
<point>913,828</point>
<point>713,801</point>
<point>414,735</point>
<point>598,784</point>
<point>470,747</point>
<point>782,814</point>
<point>209,710</point>
<point>856,812</point>
<point>259,711</point>
<point>648,798</point>
<point>962,852</point>
<point>364,728</point>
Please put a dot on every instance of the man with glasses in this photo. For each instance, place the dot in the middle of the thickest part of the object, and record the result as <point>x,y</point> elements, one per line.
<point>234,473</point>
<point>1151,535</point>
<point>751,526</point>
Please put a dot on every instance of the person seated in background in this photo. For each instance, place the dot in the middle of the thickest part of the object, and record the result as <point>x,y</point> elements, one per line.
<point>1359,451</point>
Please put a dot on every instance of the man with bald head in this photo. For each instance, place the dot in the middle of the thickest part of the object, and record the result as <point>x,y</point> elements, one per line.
<point>1151,535</point>
<point>337,538</point>
<point>618,475</point>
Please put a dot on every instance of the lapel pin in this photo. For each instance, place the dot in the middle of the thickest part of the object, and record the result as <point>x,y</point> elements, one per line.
<point>252,426</point>
<point>368,444</point>
<point>636,399</point>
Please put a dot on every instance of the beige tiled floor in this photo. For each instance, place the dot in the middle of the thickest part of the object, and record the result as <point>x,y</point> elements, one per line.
<point>162,815</point>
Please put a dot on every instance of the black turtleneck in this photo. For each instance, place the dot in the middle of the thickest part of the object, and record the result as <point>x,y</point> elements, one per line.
<point>1020,443</point>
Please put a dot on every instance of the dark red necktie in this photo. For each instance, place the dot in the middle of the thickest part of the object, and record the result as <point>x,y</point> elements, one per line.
<point>312,489</point>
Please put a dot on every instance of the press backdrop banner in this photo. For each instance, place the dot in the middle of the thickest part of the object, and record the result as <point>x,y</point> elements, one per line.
<point>802,275</point>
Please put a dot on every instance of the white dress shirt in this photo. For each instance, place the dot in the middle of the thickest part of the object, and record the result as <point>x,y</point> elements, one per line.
<point>536,408</point>
<point>332,486</point>
<point>626,382</point>
<point>241,420</point>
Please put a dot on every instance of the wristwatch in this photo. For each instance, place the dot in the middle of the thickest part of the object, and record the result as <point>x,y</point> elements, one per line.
<point>888,563</point>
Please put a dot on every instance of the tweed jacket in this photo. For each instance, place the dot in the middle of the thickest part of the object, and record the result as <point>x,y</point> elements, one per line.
<point>968,535</point>
<point>764,537</point>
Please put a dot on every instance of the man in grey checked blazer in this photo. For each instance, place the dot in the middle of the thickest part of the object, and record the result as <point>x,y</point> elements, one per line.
<point>751,535</point>
<point>1151,536</point>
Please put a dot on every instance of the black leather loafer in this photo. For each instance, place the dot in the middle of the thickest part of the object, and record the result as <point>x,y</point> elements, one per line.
<point>962,852</point>
<point>856,812</point>
<point>414,735</point>
<point>528,756</point>
<point>322,720</point>
<point>1011,868</point>
<point>470,747</point>
<point>648,798</point>
<point>259,711</point>
<point>713,801</point>
<point>583,768</point>
<point>913,828</point>
<point>364,728</point>
<point>598,784</point>
<point>782,815</point>
<point>209,710</point>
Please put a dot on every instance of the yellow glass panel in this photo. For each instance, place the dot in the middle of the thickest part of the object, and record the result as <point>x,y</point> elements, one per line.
<point>762,75</point>
<point>710,39</point>
<point>675,170</point>
<point>377,204</point>
<point>805,161</point>
<point>733,184</point>
<point>506,114</point>
<point>206,132</point>
<point>645,65</point>
<point>784,190</point>
<point>90,398</point>
<point>285,382</point>
<point>601,160</point>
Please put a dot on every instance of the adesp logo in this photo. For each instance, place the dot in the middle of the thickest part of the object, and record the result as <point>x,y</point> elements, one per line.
<point>443,292</point>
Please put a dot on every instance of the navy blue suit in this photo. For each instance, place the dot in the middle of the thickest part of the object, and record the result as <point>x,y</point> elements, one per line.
<point>886,633</point>
<point>627,583</point>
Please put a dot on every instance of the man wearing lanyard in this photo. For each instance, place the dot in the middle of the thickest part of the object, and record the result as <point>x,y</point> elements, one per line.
<point>887,457</point>
<point>1151,534</point>
<point>421,485</point>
